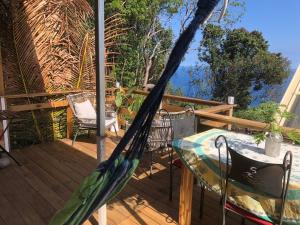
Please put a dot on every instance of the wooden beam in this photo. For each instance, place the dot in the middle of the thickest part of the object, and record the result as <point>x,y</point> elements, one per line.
<point>232,120</point>
<point>2,90</point>
<point>5,123</point>
<point>217,109</point>
<point>182,98</point>
<point>211,123</point>
<point>186,197</point>
<point>43,94</point>
<point>239,122</point>
<point>171,108</point>
<point>230,114</point>
<point>36,106</point>
<point>291,93</point>
<point>70,118</point>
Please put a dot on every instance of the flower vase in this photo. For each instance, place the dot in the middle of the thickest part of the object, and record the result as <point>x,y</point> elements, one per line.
<point>273,144</point>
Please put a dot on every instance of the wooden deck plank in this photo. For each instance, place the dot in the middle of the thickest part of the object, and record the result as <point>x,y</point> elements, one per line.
<point>39,187</point>
<point>41,205</point>
<point>8,213</point>
<point>52,171</point>
<point>16,196</point>
<point>44,163</point>
<point>51,181</point>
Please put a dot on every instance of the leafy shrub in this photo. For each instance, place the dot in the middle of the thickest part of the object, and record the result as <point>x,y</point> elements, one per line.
<point>264,112</point>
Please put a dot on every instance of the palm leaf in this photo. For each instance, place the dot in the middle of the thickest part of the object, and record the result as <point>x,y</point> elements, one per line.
<point>51,46</point>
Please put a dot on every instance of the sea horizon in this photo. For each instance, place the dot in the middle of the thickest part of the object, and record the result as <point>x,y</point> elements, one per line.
<point>182,80</point>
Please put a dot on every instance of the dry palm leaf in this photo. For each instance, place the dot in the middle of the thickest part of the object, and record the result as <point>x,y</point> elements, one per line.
<point>51,47</point>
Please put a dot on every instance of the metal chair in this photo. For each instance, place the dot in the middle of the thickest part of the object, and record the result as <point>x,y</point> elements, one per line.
<point>83,123</point>
<point>159,135</point>
<point>268,178</point>
<point>183,124</point>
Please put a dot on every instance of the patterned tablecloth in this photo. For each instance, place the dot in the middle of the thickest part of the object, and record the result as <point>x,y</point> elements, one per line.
<point>199,154</point>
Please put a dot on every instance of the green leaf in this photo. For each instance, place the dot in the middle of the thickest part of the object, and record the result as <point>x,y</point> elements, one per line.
<point>259,137</point>
<point>294,136</point>
<point>119,99</point>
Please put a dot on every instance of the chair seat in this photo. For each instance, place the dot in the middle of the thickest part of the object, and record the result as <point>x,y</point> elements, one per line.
<point>91,123</point>
<point>246,215</point>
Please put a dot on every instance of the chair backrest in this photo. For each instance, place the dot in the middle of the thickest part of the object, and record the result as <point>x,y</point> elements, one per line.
<point>269,178</point>
<point>160,131</point>
<point>183,123</point>
<point>81,97</point>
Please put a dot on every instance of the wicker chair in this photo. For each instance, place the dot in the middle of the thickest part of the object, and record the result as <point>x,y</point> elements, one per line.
<point>88,122</point>
<point>159,136</point>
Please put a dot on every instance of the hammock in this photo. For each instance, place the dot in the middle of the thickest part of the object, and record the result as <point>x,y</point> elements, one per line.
<point>112,175</point>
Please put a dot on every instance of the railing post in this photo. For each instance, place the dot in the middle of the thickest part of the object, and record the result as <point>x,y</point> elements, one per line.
<point>4,125</point>
<point>69,122</point>
<point>3,106</point>
<point>230,111</point>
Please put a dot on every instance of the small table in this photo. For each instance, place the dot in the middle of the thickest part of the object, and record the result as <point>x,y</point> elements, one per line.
<point>9,116</point>
<point>200,157</point>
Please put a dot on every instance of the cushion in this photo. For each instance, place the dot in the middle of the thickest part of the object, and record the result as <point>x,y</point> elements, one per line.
<point>85,110</point>
<point>246,215</point>
<point>178,163</point>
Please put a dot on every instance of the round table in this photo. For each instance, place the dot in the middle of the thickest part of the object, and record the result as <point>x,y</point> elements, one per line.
<point>199,154</point>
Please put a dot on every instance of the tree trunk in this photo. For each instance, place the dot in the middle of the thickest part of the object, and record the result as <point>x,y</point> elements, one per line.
<point>147,73</point>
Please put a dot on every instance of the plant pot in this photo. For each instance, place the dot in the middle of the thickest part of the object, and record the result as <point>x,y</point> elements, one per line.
<point>273,144</point>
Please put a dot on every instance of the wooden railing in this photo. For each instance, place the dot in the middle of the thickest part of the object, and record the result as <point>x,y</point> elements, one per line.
<point>208,106</point>
<point>214,114</point>
<point>183,99</point>
<point>49,104</point>
<point>217,115</point>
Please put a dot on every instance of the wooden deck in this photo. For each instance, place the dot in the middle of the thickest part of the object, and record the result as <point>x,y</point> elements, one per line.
<point>32,193</point>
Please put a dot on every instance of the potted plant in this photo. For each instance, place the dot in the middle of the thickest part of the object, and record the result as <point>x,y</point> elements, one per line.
<point>273,133</point>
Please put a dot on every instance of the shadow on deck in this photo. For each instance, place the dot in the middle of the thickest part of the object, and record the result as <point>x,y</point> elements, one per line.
<point>32,193</point>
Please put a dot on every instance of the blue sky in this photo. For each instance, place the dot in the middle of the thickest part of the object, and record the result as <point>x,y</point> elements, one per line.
<point>278,20</point>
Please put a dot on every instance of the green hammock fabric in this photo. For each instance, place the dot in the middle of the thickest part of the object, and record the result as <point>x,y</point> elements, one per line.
<point>86,194</point>
<point>112,175</point>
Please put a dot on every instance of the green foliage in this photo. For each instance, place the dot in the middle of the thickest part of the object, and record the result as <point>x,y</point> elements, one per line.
<point>270,113</point>
<point>137,102</point>
<point>294,136</point>
<point>259,137</point>
<point>240,60</point>
<point>129,100</point>
<point>144,36</point>
<point>264,112</point>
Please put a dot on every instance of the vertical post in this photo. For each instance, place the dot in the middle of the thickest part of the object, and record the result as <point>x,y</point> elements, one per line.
<point>100,91</point>
<point>186,197</point>
<point>69,122</point>
<point>4,125</point>
<point>2,92</point>
<point>3,106</point>
<point>230,111</point>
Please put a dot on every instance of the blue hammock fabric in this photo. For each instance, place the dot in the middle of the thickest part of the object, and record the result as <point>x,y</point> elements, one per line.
<point>112,175</point>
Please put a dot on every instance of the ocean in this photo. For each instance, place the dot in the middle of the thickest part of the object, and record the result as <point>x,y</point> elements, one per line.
<point>183,76</point>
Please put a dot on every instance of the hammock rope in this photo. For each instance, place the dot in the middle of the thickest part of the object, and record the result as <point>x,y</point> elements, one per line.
<point>112,175</point>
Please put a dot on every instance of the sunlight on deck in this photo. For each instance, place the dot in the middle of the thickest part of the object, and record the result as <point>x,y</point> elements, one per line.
<point>32,193</point>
